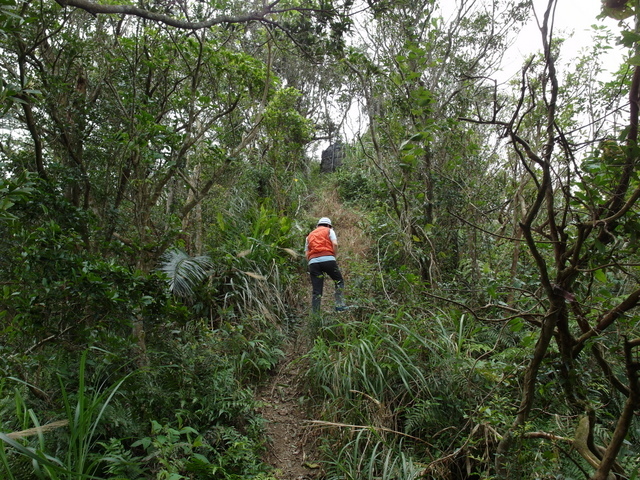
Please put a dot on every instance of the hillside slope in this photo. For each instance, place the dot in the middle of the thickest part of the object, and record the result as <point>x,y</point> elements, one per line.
<point>293,440</point>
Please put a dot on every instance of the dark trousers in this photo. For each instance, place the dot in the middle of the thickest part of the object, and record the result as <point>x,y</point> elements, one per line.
<point>317,272</point>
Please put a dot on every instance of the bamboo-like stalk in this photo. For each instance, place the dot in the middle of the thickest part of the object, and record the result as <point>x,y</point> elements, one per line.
<point>38,430</point>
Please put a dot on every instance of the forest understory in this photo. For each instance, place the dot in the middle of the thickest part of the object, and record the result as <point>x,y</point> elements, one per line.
<point>161,163</point>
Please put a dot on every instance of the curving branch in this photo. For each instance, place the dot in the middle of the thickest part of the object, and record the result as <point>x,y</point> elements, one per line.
<point>608,371</point>
<point>261,15</point>
<point>97,8</point>
<point>631,301</point>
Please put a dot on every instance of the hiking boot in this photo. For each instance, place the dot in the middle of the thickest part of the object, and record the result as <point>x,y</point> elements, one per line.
<point>342,308</point>
<point>315,305</point>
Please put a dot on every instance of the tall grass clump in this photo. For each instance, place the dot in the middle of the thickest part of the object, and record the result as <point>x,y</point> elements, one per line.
<point>73,451</point>
<point>368,372</point>
<point>367,375</point>
<point>404,380</point>
<point>366,455</point>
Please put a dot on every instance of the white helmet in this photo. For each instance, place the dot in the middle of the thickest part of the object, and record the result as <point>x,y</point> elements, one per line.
<point>324,221</point>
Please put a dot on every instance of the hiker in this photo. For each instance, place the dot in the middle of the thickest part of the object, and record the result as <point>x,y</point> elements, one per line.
<point>320,248</point>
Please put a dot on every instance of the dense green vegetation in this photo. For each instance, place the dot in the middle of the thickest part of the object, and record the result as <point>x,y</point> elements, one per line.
<point>157,180</point>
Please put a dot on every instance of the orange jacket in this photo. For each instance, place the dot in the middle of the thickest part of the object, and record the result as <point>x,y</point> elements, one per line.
<point>319,244</point>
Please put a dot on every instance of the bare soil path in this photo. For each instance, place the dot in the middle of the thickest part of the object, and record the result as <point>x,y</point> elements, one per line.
<point>292,443</point>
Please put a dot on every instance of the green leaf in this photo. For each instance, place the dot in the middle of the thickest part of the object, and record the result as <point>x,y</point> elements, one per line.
<point>623,133</point>
<point>143,442</point>
<point>629,38</point>
<point>600,275</point>
<point>175,476</point>
<point>516,325</point>
<point>201,458</point>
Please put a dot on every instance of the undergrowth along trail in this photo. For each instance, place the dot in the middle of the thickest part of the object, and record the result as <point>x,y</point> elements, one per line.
<point>293,441</point>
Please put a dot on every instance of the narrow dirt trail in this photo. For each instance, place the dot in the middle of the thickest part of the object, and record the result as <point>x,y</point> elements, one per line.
<point>293,442</point>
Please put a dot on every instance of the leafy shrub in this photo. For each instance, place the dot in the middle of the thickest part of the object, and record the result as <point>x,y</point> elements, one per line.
<point>193,383</point>
<point>356,186</point>
<point>180,453</point>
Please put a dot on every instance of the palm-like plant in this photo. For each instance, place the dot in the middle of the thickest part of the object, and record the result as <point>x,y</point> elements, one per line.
<point>183,271</point>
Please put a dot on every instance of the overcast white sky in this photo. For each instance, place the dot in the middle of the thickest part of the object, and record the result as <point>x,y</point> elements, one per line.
<point>575,16</point>
<point>572,16</point>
